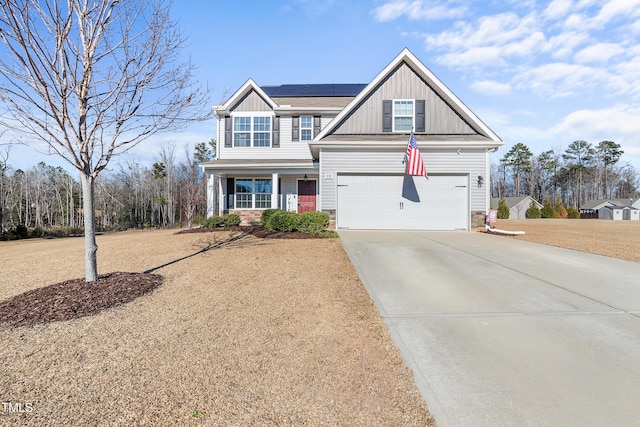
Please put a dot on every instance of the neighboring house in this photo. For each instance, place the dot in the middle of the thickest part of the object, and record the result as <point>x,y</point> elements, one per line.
<point>615,209</point>
<point>517,205</point>
<point>339,149</point>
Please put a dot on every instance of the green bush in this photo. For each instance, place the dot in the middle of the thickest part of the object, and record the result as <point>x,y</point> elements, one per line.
<point>266,214</point>
<point>313,222</point>
<point>533,212</point>
<point>36,232</point>
<point>503,209</point>
<point>213,222</point>
<point>573,213</point>
<point>231,220</point>
<point>283,221</point>
<point>548,210</point>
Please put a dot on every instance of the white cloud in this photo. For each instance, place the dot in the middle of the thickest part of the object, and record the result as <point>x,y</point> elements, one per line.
<point>416,11</point>
<point>618,123</point>
<point>558,9</point>
<point>488,87</point>
<point>613,9</point>
<point>563,45</point>
<point>556,80</point>
<point>620,118</point>
<point>598,53</point>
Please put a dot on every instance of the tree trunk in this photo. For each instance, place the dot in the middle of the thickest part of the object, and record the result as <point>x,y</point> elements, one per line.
<point>90,246</point>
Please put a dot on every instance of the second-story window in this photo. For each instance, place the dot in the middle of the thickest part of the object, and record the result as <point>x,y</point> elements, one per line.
<point>306,128</point>
<point>402,115</point>
<point>251,131</point>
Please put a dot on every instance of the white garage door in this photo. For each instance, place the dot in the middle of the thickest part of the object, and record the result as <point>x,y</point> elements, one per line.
<point>401,202</point>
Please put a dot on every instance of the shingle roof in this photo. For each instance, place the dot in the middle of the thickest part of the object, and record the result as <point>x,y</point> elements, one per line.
<point>298,90</point>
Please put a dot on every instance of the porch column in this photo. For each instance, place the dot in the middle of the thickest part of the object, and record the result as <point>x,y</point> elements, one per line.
<point>274,191</point>
<point>221,198</point>
<point>211,194</point>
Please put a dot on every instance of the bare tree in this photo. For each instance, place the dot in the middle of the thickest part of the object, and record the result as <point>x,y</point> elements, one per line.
<point>92,78</point>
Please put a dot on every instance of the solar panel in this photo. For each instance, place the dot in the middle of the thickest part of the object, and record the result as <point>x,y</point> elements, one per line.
<point>302,90</point>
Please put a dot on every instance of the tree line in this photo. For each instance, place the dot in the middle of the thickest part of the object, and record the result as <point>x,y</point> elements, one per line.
<point>168,193</point>
<point>583,171</point>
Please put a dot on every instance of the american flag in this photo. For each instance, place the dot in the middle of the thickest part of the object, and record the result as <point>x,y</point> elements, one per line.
<point>415,165</point>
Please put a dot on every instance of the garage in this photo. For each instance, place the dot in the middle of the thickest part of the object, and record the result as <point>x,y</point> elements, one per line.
<point>401,202</point>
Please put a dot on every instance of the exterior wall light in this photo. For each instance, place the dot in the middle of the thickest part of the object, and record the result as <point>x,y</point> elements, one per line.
<point>480,181</point>
<point>306,178</point>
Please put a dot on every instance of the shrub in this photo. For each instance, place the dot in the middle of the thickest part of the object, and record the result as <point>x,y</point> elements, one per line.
<point>213,222</point>
<point>231,220</point>
<point>573,213</point>
<point>36,232</point>
<point>503,209</point>
<point>266,214</point>
<point>283,221</point>
<point>561,211</point>
<point>313,222</point>
<point>198,220</point>
<point>547,209</point>
<point>533,212</point>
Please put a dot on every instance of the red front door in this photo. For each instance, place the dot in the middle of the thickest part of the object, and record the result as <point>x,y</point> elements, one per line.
<point>306,196</point>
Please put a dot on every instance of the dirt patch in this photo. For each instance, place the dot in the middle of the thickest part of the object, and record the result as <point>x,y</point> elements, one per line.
<point>243,331</point>
<point>617,239</point>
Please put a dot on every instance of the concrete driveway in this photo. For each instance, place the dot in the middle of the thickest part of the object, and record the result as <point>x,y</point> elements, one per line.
<point>502,332</point>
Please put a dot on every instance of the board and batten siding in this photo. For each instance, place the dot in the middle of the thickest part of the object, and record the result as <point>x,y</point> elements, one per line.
<point>251,102</point>
<point>468,162</point>
<point>404,83</point>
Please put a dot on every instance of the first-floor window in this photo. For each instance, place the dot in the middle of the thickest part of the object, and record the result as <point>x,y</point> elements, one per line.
<point>253,193</point>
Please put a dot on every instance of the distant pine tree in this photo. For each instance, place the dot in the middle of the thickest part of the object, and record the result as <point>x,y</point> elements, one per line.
<point>503,209</point>
<point>561,211</point>
<point>533,212</point>
<point>573,213</point>
<point>547,209</point>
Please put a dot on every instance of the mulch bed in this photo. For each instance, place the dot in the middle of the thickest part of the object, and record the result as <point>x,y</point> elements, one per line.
<point>76,298</point>
<point>258,231</point>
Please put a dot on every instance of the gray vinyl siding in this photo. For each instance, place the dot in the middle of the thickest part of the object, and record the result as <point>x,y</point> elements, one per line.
<point>404,83</point>
<point>471,162</point>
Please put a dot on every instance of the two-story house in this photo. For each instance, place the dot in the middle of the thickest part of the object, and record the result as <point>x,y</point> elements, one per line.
<point>340,149</point>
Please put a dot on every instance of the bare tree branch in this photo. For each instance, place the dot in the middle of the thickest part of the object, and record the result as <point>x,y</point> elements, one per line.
<point>93,78</point>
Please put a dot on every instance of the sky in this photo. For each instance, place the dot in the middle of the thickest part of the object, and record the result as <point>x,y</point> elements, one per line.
<point>543,73</point>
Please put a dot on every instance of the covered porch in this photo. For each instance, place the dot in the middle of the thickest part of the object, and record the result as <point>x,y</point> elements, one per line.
<point>247,188</point>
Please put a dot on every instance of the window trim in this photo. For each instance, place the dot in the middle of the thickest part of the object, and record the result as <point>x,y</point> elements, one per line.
<point>252,132</point>
<point>394,115</point>
<point>303,128</point>
<point>253,193</point>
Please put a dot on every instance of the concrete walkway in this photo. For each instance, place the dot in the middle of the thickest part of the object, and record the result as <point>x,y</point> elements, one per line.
<point>502,332</point>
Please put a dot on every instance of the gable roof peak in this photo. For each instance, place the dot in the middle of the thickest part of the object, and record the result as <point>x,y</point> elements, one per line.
<point>407,57</point>
<point>248,86</point>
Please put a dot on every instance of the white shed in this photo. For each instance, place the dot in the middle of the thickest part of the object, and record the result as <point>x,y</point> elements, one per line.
<point>612,212</point>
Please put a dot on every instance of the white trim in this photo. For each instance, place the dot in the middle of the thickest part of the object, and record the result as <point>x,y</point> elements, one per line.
<point>300,129</point>
<point>253,192</point>
<point>224,109</point>
<point>252,131</point>
<point>394,115</point>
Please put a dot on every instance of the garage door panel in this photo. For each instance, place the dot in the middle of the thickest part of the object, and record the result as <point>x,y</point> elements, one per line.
<point>377,202</point>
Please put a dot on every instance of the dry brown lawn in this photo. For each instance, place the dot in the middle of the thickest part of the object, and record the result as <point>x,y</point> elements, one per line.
<point>617,239</point>
<point>255,332</point>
